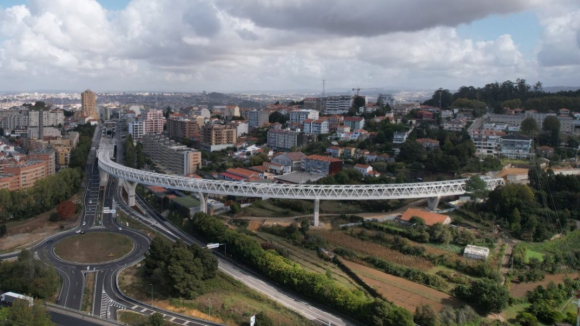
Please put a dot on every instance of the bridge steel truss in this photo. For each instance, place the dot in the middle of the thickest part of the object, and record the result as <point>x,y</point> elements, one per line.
<point>430,190</point>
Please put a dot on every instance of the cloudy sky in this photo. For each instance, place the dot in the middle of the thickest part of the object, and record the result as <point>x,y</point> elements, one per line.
<point>249,45</point>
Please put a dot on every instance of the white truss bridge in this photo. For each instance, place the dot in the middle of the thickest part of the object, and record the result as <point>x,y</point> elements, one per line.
<point>306,191</point>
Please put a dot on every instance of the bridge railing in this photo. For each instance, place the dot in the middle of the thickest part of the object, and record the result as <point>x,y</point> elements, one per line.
<point>303,191</point>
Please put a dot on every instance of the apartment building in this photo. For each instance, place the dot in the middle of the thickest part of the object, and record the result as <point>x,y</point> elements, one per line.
<point>338,104</point>
<point>154,121</point>
<point>9,181</point>
<point>217,137</point>
<point>316,127</point>
<point>315,103</point>
<point>62,155</point>
<point>515,146</point>
<point>28,172</point>
<point>48,155</point>
<point>137,129</point>
<point>284,140</point>
<point>170,155</point>
<point>89,104</point>
<point>258,118</point>
<point>319,164</point>
<point>454,125</point>
<point>298,116</point>
<point>49,118</point>
<point>487,142</point>
<point>231,111</point>
<point>182,128</point>
<point>241,126</point>
<point>290,159</point>
<point>567,124</point>
<point>354,122</point>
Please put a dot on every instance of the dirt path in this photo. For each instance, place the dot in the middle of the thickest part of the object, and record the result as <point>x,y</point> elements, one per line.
<point>25,233</point>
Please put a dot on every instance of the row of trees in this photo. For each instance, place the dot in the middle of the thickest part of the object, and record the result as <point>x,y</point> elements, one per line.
<point>544,303</point>
<point>43,196</point>
<point>180,268</point>
<point>21,314</point>
<point>133,156</point>
<point>29,276</point>
<point>80,154</point>
<point>316,286</point>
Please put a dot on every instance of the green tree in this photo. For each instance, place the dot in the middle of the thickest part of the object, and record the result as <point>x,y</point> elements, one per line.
<point>426,316</point>
<point>235,208</point>
<point>411,152</point>
<point>526,319</point>
<point>304,225</point>
<point>156,319</point>
<point>512,104</point>
<point>551,125</point>
<point>21,313</point>
<point>476,186</point>
<point>440,233</point>
<point>2,230</point>
<point>139,156</point>
<point>129,152</point>
<point>484,294</point>
<point>529,127</point>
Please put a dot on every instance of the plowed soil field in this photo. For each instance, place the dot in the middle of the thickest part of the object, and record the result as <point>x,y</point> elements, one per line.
<point>402,292</point>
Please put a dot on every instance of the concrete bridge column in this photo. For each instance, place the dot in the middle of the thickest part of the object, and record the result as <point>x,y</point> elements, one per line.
<point>202,201</point>
<point>433,202</point>
<point>316,211</point>
<point>103,178</point>
<point>130,188</point>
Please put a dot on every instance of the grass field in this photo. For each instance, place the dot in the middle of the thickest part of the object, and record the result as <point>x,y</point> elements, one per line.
<point>131,318</point>
<point>310,261</point>
<point>97,247</point>
<point>533,254</point>
<point>402,292</point>
<point>563,244</point>
<point>232,303</point>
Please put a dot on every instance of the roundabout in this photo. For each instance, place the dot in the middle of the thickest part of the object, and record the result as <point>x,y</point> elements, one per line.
<point>94,248</point>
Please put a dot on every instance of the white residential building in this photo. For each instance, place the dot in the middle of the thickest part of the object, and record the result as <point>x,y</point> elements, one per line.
<point>137,129</point>
<point>316,127</point>
<point>400,137</point>
<point>298,116</point>
<point>515,146</point>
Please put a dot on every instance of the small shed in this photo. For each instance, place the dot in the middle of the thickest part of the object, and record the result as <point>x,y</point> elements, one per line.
<point>476,252</point>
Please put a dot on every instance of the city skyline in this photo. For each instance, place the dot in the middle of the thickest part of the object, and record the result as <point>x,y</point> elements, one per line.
<point>229,46</point>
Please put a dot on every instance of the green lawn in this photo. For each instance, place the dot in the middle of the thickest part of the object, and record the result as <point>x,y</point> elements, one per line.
<point>534,254</point>
<point>512,311</point>
<point>567,243</point>
<point>505,161</point>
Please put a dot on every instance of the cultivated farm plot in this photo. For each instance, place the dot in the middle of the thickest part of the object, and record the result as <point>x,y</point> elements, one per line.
<point>340,239</point>
<point>518,290</point>
<point>310,261</point>
<point>402,292</point>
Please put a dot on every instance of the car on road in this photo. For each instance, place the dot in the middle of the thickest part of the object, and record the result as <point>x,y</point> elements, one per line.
<point>90,201</point>
<point>78,231</point>
<point>120,229</point>
<point>82,232</point>
<point>84,223</point>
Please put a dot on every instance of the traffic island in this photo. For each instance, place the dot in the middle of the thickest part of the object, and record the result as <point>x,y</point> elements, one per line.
<point>93,248</point>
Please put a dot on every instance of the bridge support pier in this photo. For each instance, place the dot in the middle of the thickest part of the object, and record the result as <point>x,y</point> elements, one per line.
<point>202,201</point>
<point>130,188</point>
<point>103,178</point>
<point>433,202</point>
<point>316,211</point>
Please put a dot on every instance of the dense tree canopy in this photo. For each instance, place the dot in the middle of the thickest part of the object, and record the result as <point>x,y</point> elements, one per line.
<point>29,276</point>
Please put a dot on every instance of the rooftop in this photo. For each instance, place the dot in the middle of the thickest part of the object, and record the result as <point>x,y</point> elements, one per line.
<point>323,158</point>
<point>298,177</point>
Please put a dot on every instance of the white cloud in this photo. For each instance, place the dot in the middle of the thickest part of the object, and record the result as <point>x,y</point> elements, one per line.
<point>238,45</point>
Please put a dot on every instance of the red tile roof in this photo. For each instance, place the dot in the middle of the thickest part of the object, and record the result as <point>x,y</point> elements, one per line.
<point>323,158</point>
<point>429,218</point>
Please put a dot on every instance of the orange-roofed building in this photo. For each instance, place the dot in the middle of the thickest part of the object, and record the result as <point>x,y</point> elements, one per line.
<point>319,164</point>
<point>429,218</point>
